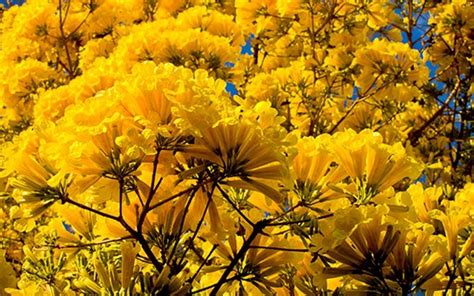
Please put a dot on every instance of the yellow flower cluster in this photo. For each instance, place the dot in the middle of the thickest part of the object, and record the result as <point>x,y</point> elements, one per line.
<point>342,162</point>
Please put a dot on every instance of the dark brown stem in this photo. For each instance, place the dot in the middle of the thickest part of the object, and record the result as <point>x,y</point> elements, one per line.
<point>259,226</point>
<point>146,248</point>
<point>416,134</point>
<point>84,245</point>
<point>410,24</point>
<point>204,262</point>
<point>87,208</point>
<point>211,286</point>
<point>227,197</point>
<point>279,249</point>
<point>255,53</point>
<point>452,277</point>
<point>153,189</point>
<point>181,224</point>
<point>200,223</point>
<point>65,40</point>
<point>174,196</point>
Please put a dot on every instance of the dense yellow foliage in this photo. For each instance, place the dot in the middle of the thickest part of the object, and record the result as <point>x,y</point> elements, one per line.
<point>341,164</point>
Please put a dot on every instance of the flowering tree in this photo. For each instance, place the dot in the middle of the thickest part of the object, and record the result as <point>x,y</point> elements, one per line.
<point>340,162</point>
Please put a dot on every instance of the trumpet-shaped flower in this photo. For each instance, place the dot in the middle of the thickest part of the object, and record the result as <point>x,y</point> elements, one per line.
<point>243,158</point>
<point>372,165</point>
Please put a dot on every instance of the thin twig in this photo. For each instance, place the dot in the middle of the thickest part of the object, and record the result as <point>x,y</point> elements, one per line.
<point>279,249</point>
<point>85,245</point>
<point>87,208</point>
<point>257,229</point>
<point>200,223</point>
<point>227,197</point>
<point>204,262</point>
<point>416,134</point>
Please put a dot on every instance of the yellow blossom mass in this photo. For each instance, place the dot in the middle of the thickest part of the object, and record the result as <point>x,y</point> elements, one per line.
<point>247,147</point>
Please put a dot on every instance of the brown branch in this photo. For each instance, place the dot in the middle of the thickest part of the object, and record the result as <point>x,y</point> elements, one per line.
<point>258,228</point>
<point>213,285</point>
<point>138,235</point>
<point>236,208</point>
<point>410,24</point>
<point>87,208</point>
<point>200,223</point>
<point>83,245</point>
<point>204,262</point>
<point>360,99</point>
<point>153,189</point>
<point>181,224</point>
<point>174,196</point>
<point>414,136</point>
<point>64,39</point>
<point>279,249</point>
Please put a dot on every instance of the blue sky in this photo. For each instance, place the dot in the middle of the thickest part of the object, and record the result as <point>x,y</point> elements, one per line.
<point>4,2</point>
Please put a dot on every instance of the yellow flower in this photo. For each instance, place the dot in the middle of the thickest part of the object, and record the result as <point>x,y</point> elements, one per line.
<point>365,246</point>
<point>142,95</point>
<point>382,61</point>
<point>415,258</point>
<point>313,161</point>
<point>64,235</point>
<point>463,201</point>
<point>114,153</point>
<point>205,205</point>
<point>213,21</point>
<point>452,224</point>
<point>364,116</point>
<point>243,158</point>
<point>379,14</point>
<point>313,169</point>
<point>260,268</point>
<point>37,186</point>
<point>199,101</point>
<point>7,278</point>
<point>425,200</point>
<point>81,221</point>
<point>129,253</point>
<point>372,165</point>
<point>345,222</point>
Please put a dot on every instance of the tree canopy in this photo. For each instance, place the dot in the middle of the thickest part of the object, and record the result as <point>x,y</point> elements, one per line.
<point>247,147</point>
